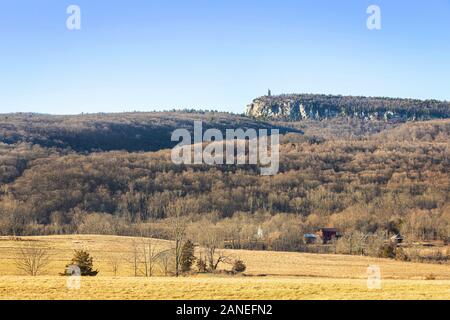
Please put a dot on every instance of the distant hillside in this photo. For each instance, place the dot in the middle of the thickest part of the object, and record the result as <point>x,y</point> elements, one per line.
<point>397,180</point>
<point>106,132</point>
<point>295,107</point>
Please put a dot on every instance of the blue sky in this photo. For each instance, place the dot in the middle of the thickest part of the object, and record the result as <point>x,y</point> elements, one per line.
<point>216,54</point>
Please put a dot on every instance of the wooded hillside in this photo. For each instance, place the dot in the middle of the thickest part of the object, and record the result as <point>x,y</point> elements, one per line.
<point>394,178</point>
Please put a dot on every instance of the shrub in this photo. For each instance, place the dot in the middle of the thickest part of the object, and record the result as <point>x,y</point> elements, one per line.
<point>401,255</point>
<point>239,266</point>
<point>430,277</point>
<point>388,251</point>
<point>201,265</point>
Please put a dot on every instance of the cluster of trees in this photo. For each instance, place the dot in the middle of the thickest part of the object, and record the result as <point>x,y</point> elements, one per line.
<point>146,256</point>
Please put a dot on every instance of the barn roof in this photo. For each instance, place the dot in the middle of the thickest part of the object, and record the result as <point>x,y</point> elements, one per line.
<point>327,229</point>
<point>309,235</point>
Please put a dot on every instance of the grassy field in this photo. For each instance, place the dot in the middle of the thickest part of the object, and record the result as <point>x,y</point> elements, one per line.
<point>269,275</point>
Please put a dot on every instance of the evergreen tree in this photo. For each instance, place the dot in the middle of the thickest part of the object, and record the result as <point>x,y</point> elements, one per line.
<point>85,262</point>
<point>187,256</point>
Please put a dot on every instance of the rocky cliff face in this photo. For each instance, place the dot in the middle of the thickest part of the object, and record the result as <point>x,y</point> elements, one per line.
<point>301,107</point>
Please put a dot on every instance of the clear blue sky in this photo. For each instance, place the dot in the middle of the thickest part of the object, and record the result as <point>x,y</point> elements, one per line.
<point>216,54</point>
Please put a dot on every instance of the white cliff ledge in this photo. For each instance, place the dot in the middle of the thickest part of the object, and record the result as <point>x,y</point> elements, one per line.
<point>313,106</point>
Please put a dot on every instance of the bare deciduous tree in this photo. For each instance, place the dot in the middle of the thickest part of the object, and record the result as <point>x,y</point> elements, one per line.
<point>115,260</point>
<point>212,239</point>
<point>166,259</point>
<point>214,257</point>
<point>178,224</point>
<point>145,256</point>
<point>149,256</point>
<point>32,259</point>
<point>134,259</point>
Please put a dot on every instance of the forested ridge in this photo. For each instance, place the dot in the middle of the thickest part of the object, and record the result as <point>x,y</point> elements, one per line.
<point>138,131</point>
<point>293,107</point>
<point>370,178</point>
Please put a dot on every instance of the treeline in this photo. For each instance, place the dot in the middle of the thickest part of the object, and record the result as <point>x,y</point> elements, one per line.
<point>396,182</point>
<point>133,132</point>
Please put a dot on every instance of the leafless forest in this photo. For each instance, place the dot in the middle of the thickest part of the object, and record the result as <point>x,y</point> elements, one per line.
<point>369,179</point>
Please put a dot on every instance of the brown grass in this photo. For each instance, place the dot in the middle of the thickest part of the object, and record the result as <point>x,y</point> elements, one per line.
<point>288,276</point>
<point>257,288</point>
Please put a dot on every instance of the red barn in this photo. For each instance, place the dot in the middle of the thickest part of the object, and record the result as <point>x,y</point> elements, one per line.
<point>328,234</point>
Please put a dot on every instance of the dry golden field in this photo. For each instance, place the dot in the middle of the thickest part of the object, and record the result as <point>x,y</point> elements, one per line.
<point>269,275</point>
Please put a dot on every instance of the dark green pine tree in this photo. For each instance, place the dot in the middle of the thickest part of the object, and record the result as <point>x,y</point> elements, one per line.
<point>85,262</point>
<point>187,256</point>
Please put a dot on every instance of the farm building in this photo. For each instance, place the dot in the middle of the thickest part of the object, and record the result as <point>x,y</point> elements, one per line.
<point>328,234</point>
<point>310,238</point>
